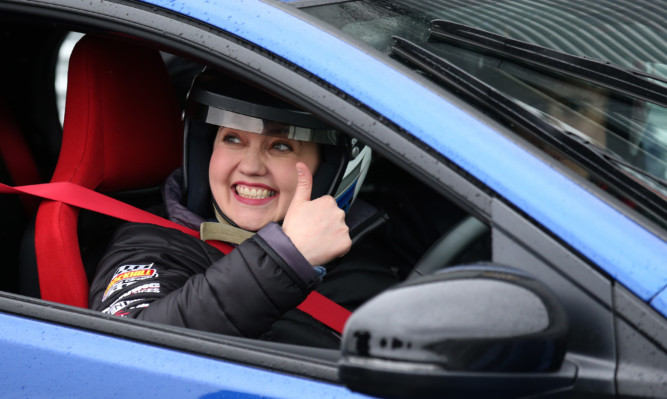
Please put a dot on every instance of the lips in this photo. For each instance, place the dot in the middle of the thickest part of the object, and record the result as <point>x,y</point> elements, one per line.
<point>253,192</point>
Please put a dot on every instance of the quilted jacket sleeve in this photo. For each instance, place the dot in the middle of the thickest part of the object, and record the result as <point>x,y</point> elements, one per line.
<point>162,275</point>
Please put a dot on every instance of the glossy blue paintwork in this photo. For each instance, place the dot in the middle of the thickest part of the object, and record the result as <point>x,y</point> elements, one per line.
<point>47,361</point>
<point>615,243</point>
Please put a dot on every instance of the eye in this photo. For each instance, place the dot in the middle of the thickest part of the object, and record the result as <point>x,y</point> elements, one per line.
<point>281,146</point>
<point>231,138</point>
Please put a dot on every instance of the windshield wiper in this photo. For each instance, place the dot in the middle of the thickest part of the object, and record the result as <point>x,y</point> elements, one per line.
<point>659,184</point>
<point>511,112</point>
<point>606,74</point>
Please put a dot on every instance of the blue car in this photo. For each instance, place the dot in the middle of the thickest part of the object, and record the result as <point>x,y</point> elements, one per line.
<point>519,161</point>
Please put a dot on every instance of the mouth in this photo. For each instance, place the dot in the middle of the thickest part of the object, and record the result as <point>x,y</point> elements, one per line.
<point>253,192</point>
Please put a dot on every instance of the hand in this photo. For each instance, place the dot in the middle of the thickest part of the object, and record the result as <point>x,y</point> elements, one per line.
<point>317,228</point>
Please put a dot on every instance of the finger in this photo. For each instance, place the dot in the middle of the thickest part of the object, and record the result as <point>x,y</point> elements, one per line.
<point>304,184</point>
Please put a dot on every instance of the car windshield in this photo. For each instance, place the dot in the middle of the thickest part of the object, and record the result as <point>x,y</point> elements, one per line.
<point>594,71</point>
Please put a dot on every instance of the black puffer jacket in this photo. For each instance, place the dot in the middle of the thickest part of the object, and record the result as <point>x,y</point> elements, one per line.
<point>163,275</point>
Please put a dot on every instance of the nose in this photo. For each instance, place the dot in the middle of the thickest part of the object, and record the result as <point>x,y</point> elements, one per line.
<point>252,163</point>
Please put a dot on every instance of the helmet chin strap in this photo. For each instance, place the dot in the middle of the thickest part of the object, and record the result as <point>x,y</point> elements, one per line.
<point>224,229</point>
<point>220,215</point>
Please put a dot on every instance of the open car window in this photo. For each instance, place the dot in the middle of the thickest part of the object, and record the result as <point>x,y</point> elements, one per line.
<point>415,220</point>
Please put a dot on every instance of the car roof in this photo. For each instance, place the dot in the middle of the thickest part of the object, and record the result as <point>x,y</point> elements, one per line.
<point>623,248</point>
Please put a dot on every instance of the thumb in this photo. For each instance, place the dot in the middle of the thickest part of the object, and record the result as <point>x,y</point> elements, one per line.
<point>304,184</point>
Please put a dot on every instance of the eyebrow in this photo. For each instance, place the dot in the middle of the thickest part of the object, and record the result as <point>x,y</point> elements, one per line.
<point>276,130</point>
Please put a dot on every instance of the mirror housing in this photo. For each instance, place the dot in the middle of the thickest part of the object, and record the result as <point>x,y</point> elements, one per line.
<point>467,331</point>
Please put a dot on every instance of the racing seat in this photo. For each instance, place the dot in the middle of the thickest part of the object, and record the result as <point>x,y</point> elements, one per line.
<point>122,131</point>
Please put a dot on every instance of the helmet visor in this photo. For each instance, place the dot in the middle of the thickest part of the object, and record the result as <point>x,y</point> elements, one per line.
<point>268,127</point>
<point>236,114</point>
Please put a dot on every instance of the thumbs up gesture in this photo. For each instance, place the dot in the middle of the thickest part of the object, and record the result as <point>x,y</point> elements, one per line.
<point>317,228</point>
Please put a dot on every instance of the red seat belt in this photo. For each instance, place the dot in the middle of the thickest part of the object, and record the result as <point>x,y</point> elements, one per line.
<point>316,305</point>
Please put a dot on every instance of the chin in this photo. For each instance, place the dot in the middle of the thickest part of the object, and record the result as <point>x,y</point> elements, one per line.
<point>251,225</point>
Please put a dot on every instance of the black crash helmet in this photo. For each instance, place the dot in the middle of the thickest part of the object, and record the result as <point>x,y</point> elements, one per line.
<point>217,100</point>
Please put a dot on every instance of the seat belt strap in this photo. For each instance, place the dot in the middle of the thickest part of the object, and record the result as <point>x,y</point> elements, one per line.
<point>316,305</point>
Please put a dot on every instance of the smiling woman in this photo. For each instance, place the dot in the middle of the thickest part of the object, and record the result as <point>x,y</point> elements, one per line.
<point>261,158</point>
<point>253,177</point>
<point>256,141</point>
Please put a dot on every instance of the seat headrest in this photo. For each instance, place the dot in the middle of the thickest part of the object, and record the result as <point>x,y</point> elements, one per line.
<point>122,127</point>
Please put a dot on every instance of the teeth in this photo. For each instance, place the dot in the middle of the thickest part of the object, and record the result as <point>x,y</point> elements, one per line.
<point>254,193</point>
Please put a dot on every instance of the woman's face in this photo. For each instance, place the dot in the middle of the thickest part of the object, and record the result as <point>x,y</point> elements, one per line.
<point>253,176</point>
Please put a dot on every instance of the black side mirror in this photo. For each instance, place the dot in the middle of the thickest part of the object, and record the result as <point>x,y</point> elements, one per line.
<point>470,331</point>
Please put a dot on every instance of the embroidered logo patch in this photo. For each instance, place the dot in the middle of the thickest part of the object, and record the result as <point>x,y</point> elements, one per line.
<point>117,307</point>
<point>128,274</point>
